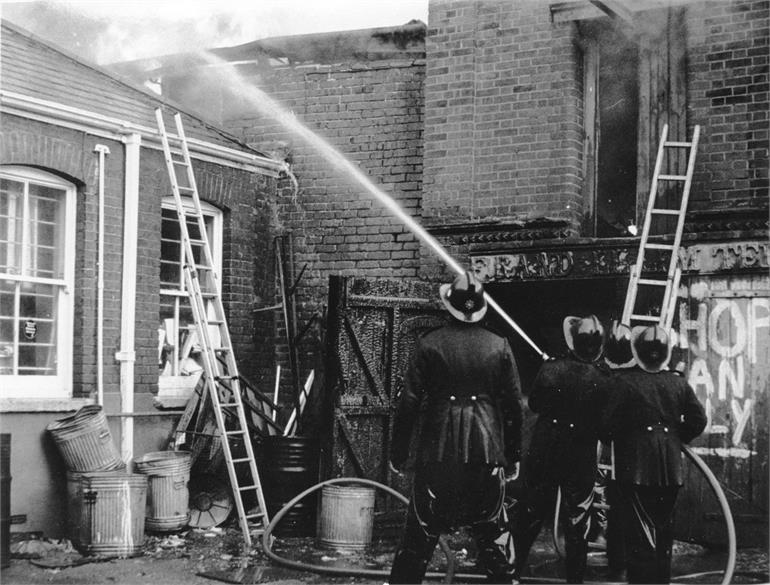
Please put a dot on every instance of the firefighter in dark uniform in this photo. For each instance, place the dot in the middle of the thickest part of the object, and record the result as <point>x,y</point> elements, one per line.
<point>568,395</point>
<point>618,357</point>
<point>469,439</point>
<point>650,414</point>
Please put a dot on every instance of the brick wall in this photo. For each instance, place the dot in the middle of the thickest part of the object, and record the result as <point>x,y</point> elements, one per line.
<point>502,105</point>
<point>729,53</point>
<point>240,194</point>
<point>371,113</point>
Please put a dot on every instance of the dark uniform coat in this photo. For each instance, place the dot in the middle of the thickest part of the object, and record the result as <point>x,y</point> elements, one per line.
<point>471,428</point>
<point>569,396</point>
<point>468,376</point>
<point>649,417</point>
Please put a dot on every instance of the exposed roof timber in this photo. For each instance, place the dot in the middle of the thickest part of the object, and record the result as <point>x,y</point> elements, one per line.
<point>372,44</point>
<point>614,9</point>
<point>622,9</point>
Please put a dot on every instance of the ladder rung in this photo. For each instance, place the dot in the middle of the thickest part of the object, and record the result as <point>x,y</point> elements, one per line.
<point>238,432</point>
<point>203,267</point>
<point>185,189</point>
<point>228,404</point>
<point>649,318</point>
<point>197,242</point>
<point>601,506</point>
<point>209,295</point>
<point>255,515</point>
<point>678,144</point>
<point>191,213</point>
<point>241,460</point>
<point>652,282</point>
<point>180,163</point>
<point>215,321</point>
<point>672,177</point>
<point>666,211</point>
<point>659,246</point>
<point>221,349</point>
<point>226,378</point>
<point>248,487</point>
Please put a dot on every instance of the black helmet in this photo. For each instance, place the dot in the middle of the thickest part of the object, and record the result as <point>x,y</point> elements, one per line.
<point>617,350</point>
<point>651,347</point>
<point>584,337</point>
<point>464,298</point>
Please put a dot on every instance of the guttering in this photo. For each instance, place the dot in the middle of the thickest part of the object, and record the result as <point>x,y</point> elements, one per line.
<point>127,355</point>
<point>116,129</point>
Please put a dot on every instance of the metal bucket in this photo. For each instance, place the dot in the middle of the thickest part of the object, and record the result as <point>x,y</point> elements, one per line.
<point>347,515</point>
<point>85,442</point>
<point>168,496</point>
<point>289,467</point>
<point>112,513</point>
<point>5,500</point>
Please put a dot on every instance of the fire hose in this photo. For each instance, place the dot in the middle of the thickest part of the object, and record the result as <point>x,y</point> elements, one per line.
<point>450,571</point>
<point>324,570</point>
<point>726,514</point>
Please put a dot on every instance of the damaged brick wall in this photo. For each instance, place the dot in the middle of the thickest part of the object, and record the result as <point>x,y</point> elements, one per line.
<point>371,112</point>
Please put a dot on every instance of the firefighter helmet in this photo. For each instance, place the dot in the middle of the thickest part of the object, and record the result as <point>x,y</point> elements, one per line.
<point>584,337</point>
<point>464,298</point>
<point>651,346</point>
<point>617,349</point>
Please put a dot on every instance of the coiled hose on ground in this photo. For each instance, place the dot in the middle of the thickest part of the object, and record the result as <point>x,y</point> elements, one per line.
<point>473,577</point>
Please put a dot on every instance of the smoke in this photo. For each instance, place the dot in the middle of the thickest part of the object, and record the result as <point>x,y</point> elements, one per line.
<point>110,31</point>
<point>107,32</point>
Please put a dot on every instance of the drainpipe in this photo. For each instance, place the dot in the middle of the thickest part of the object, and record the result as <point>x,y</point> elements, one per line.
<point>102,150</point>
<point>126,356</point>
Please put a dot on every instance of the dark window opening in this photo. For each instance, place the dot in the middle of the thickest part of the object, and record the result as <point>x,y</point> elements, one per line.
<point>617,120</point>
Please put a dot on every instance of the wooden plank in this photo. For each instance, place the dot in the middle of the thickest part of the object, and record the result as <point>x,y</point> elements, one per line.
<point>371,374</point>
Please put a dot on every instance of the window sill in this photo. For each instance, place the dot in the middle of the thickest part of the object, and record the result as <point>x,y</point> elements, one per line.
<point>42,404</point>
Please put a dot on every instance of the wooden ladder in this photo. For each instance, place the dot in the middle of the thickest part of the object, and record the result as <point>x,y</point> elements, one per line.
<point>632,315</point>
<point>222,380</point>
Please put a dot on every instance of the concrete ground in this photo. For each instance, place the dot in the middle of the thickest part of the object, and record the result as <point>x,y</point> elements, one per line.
<point>195,557</point>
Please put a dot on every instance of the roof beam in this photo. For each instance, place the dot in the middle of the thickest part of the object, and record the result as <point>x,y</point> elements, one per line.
<point>614,9</point>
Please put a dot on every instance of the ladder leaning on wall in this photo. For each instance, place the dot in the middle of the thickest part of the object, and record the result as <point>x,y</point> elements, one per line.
<point>669,154</point>
<point>222,380</point>
<point>657,215</point>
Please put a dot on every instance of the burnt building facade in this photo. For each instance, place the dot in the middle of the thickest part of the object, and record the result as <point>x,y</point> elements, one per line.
<point>523,137</point>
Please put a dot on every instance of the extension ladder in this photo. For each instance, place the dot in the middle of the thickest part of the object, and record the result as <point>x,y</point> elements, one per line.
<point>655,213</point>
<point>222,380</point>
<point>669,286</point>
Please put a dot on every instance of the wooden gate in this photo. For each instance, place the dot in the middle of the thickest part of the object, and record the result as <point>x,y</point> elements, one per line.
<point>372,328</point>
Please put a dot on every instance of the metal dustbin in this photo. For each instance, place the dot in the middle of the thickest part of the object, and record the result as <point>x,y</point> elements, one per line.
<point>168,494</point>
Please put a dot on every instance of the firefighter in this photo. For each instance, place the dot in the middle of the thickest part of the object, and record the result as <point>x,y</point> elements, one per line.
<point>650,414</point>
<point>568,395</point>
<point>618,357</point>
<point>470,435</point>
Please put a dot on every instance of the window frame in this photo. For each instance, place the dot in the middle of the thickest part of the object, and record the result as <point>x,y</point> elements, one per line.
<point>215,238</point>
<point>58,386</point>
